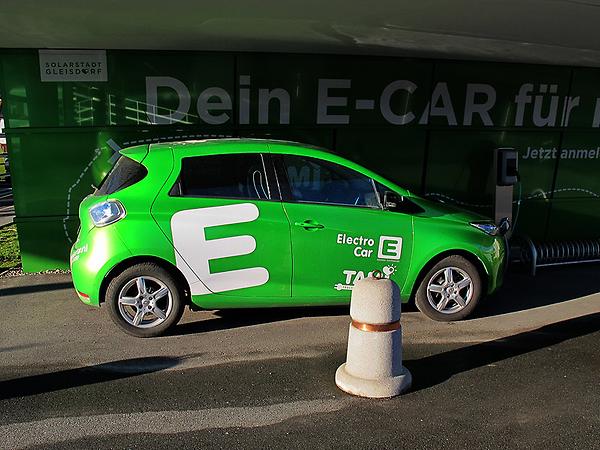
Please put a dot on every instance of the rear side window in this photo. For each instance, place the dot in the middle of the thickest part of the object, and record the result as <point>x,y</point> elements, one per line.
<point>124,173</point>
<point>226,176</point>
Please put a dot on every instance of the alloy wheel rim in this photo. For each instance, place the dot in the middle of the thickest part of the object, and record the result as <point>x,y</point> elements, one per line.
<point>145,302</point>
<point>449,290</point>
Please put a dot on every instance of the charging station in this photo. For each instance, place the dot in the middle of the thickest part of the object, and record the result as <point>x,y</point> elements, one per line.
<point>506,169</point>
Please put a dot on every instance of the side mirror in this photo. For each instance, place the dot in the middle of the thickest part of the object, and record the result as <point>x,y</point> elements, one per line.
<point>503,226</point>
<point>391,200</point>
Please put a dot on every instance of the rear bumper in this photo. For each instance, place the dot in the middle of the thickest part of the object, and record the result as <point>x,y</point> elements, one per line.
<point>92,257</point>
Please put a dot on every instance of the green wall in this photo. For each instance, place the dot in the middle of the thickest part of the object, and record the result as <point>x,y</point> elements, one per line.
<point>428,125</point>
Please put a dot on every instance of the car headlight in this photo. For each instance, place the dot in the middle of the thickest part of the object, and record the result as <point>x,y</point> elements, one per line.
<point>486,227</point>
<point>107,212</point>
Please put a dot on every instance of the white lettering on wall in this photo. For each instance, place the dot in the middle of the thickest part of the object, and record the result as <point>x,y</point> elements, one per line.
<point>482,109</point>
<point>158,115</point>
<point>537,105</point>
<point>386,98</point>
<point>440,93</point>
<point>207,105</point>
<point>325,101</point>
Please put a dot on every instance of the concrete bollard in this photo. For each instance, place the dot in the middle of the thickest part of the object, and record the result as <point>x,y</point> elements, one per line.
<point>373,366</point>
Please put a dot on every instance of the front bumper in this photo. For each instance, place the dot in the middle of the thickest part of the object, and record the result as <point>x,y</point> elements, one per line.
<point>496,262</point>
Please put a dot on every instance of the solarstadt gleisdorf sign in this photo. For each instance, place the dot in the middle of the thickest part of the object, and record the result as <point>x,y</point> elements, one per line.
<point>531,104</point>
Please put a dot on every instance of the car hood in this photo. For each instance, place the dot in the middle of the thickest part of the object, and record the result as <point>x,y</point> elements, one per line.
<point>445,211</point>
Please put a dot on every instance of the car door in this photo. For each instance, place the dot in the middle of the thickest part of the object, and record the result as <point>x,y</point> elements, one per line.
<point>339,230</point>
<point>227,225</point>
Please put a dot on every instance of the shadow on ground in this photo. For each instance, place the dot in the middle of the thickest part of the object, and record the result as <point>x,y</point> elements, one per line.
<point>550,286</point>
<point>35,288</point>
<point>235,318</point>
<point>453,362</point>
<point>82,376</point>
<point>427,372</point>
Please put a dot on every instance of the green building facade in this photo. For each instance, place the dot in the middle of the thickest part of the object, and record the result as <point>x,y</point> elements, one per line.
<point>430,126</point>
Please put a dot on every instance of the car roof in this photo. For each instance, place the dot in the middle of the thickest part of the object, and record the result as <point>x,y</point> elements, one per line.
<point>201,147</point>
<point>240,144</point>
<point>209,146</point>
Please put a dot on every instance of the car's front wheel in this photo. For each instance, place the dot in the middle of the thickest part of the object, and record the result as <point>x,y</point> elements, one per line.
<point>144,300</point>
<point>450,290</point>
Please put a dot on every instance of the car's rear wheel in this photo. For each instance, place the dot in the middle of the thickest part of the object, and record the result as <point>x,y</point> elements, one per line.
<point>450,290</point>
<point>144,300</point>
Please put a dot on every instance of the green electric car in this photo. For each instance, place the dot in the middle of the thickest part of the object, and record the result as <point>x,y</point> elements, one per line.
<point>233,223</point>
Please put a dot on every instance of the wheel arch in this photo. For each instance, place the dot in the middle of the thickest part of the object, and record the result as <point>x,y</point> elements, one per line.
<point>168,266</point>
<point>469,256</point>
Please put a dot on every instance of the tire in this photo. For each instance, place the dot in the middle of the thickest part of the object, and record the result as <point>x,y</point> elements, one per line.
<point>438,287</point>
<point>146,315</point>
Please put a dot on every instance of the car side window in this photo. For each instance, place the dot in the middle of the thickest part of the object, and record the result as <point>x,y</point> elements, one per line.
<point>228,176</point>
<point>314,180</point>
<point>124,173</point>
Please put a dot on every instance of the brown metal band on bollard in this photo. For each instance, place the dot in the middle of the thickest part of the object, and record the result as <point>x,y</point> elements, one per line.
<point>377,328</point>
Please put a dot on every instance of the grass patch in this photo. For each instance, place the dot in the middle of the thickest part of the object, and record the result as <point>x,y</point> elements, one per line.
<point>9,247</point>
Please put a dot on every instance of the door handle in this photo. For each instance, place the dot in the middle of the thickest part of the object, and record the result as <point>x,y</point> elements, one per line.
<point>310,225</point>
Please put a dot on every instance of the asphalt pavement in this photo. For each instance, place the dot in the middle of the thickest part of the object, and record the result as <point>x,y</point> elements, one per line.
<point>522,374</point>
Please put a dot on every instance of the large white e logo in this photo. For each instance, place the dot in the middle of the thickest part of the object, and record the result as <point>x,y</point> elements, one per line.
<point>192,247</point>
